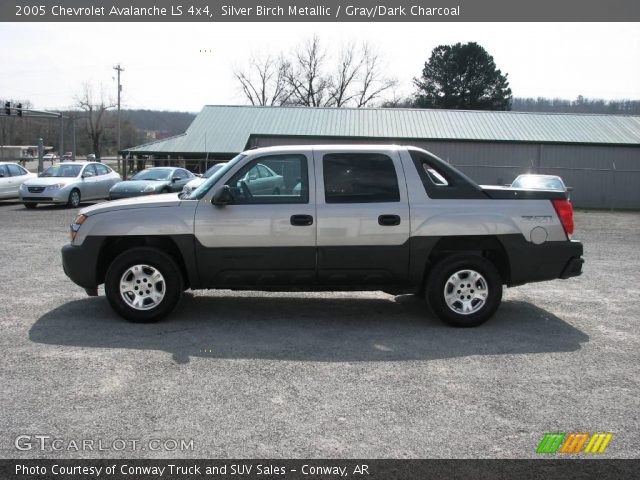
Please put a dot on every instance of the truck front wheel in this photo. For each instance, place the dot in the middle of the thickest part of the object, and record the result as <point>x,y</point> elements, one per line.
<point>464,290</point>
<point>143,284</point>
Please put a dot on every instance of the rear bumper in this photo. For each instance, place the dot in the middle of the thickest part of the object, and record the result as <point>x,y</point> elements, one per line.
<point>80,262</point>
<point>573,268</point>
<point>537,263</point>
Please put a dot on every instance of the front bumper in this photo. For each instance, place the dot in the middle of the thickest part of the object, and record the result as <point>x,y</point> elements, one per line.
<point>60,195</point>
<point>80,262</point>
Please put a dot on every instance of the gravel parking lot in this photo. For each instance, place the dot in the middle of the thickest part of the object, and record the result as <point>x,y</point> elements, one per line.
<point>349,375</point>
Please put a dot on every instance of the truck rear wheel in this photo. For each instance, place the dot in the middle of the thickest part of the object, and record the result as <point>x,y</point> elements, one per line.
<point>464,290</point>
<point>143,284</point>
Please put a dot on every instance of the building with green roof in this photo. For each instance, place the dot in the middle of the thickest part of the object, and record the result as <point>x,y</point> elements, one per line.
<point>596,154</point>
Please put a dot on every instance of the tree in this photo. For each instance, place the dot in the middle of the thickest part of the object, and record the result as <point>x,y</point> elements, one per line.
<point>462,76</point>
<point>264,82</point>
<point>95,109</point>
<point>306,77</point>
<point>309,85</point>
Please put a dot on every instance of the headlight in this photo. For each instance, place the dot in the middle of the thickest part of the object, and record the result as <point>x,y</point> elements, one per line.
<point>75,226</point>
<point>148,188</point>
<point>56,186</point>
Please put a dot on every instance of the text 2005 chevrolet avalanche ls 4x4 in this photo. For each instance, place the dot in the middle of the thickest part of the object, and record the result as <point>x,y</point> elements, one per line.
<point>389,218</point>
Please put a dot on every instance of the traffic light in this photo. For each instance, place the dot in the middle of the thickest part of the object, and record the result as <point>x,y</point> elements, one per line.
<point>19,108</point>
<point>7,108</point>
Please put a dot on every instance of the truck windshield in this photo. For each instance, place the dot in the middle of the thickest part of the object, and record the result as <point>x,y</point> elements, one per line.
<point>199,192</point>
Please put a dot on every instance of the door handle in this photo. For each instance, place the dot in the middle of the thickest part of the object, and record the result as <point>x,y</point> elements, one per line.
<point>389,220</point>
<point>301,220</point>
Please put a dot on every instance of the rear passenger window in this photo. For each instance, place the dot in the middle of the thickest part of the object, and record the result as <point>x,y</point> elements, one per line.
<point>359,178</point>
<point>101,169</point>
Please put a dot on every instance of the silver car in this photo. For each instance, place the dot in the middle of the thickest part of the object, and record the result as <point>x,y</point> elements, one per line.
<point>535,181</point>
<point>12,176</point>
<point>69,183</point>
<point>196,182</point>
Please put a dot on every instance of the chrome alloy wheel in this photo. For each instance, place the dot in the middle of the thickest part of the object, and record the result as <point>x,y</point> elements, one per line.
<point>466,292</point>
<point>142,287</point>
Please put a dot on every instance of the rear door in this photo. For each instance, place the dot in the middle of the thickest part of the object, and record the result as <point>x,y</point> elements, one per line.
<point>89,188</point>
<point>104,182</point>
<point>262,237</point>
<point>5,182</point>
<point>17,176</point>
<point>363,217</point>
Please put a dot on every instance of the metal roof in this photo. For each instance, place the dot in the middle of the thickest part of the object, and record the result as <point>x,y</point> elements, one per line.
<point>227,129</point>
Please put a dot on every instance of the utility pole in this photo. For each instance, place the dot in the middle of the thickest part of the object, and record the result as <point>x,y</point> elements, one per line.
<point>61,136</point>
<point>119,69</point>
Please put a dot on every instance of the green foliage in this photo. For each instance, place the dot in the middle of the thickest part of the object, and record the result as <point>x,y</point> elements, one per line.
<point>462,76</point>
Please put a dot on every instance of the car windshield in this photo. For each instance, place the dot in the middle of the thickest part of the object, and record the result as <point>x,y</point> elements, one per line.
<point>153,174</point>
<point>62,171</point>
<point>199,192</point>
<point>538,183</point>
<point>213,170</point>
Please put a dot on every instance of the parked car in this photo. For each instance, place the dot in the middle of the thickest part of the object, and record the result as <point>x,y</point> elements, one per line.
<point>67,156</point>
<point>12,176</point>
<point>364,218</point>
<point>152,180</point>
<point>540,182</point>
<point>69,183</point>
<point>196,182</point>
<point>49,157</point>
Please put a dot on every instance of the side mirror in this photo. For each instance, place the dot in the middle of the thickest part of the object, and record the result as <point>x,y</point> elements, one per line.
<point>222,197</point>
<point>175,179</point>
<point>569,189</point>
<point>1,175</point>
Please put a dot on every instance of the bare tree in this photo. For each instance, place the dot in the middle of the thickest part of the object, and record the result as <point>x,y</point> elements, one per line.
<point>372,83</point>
<point>264,83</point>
<point>341,84</point>
<point>304,77</point>
<point>309,86</point>
<point>94,108</point>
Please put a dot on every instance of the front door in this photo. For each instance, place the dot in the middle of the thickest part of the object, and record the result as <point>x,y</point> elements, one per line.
<point>363,218</point>
<point>265,236</point>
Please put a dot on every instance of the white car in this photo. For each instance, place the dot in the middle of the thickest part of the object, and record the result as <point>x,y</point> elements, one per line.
<point>196,182</point>
<point>69,183</point>
<point>12,176</point>
<point>534,181</point>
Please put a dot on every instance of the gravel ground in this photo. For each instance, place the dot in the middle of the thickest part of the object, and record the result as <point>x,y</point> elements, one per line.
<point>351,375</point>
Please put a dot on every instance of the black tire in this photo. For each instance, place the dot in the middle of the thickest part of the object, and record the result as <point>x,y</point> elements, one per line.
<point>30,205</point>
<point>74,198</point>
<point>173,283</point>
<point>439,279</point>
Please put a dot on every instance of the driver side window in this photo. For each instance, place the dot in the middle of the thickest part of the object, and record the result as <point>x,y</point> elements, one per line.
<point>272,179</point>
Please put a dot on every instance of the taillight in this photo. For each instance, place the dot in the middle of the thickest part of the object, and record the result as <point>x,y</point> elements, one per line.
<point>564,209</point>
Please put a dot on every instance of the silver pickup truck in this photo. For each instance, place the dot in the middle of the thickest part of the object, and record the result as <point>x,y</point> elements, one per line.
<point>367,217</point>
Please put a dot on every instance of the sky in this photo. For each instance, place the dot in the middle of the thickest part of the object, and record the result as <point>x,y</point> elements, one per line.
<point>183,66</point>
